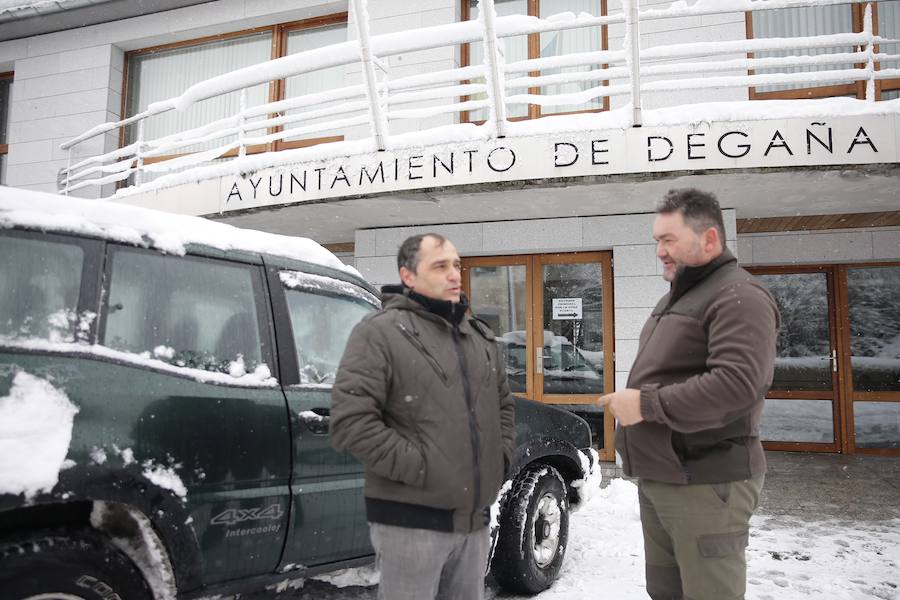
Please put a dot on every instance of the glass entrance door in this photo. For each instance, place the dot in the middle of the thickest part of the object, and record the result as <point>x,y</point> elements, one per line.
<point>873,352</point>
<point>837,373</point>
<point>500,297</point>
<point>571,359</point>
<point>552,314</point>
<point>802,411</point>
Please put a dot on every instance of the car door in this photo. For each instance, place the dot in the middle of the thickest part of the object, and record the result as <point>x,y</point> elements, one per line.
<point>189,381</point>
<point>314,316</point>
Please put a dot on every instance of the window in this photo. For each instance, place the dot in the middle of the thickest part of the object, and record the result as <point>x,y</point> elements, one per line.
<point>542,45</point>
<point>189,312</point>
<point>301,40</point>
<point>323,312</point>
<point>6,80</point>
<point>887,23</point>
<point>39,296</point>
<point>823,20</point>
<point>162,72</point>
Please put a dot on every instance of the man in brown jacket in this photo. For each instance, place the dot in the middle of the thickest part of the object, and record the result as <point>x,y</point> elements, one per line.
<point>689,418</point>
<point>421,400</point>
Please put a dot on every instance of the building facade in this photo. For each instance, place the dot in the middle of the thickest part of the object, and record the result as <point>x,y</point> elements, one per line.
<point>538,136</point>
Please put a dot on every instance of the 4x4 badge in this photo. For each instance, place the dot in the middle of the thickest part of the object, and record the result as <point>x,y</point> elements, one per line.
<point>239,515</point>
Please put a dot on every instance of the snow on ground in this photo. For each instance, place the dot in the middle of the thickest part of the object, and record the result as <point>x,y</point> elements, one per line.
<point>788,558</point>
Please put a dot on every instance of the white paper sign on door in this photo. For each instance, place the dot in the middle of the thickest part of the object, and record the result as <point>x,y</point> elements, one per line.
<point>566,308</point>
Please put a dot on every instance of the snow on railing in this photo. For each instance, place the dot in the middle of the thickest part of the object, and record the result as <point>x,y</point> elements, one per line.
<point>492,86</point>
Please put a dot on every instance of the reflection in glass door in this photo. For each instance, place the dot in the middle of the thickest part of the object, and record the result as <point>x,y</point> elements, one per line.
<point>572,337</point>
<point>873,315</point>
<point>499,297</point>
<point>552,315</point>
<point>802,409</point>
<point>837,374</point>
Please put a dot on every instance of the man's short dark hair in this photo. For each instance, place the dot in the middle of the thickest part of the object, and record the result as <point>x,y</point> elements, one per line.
<point>699,209</point>
<point>408,254</point>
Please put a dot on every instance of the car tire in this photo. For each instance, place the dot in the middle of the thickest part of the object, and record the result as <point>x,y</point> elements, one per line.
<point>68,566</point>
<point>534,531</point>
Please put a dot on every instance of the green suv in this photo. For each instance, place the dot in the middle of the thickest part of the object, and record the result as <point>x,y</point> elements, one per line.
<point>164,399</point>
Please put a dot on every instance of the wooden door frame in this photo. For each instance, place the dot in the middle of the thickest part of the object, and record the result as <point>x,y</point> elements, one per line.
<point>849,395</point>
<point>533,264</point>
<point>605,260</point>
<point>845,395</point>
<point>468,262</point>
<point>838,410</point>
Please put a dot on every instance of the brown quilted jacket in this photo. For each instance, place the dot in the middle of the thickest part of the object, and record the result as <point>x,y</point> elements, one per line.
<point>426,408</point>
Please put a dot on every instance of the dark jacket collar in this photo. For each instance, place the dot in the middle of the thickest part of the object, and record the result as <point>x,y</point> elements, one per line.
<point>452,312</point>
<point>691,276</point>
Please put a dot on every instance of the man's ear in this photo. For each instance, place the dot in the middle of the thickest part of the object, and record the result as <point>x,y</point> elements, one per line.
<point>407,277</point>
<point>711,241</point>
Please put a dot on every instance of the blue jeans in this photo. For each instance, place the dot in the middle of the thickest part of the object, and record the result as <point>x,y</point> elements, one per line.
<point>420,564</point>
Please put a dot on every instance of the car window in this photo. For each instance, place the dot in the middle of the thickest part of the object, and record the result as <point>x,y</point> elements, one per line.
<point>323,312</point>
<point>39,291</point>
<point>189,312</point>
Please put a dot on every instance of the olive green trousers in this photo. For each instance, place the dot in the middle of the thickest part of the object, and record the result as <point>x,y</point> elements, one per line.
<point>695,537</point>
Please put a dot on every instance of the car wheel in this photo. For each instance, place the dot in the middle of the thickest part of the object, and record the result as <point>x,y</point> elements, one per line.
<point>534,531</point>
<point>77,566</point>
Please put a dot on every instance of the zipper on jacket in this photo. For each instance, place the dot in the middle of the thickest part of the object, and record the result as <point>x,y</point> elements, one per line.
<point>473,429</point>
<point>415,341</point>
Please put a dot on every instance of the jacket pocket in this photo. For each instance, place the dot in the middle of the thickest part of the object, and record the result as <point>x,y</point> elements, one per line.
<point>719,545</point>
<point>417,343</point>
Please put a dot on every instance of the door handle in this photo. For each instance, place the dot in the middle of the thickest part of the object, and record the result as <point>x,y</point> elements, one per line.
<point>315,420</point>
<point>833,359</point>
<point>539,360</point>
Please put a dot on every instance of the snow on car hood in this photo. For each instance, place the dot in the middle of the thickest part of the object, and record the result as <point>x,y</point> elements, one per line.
<point>35,431</point>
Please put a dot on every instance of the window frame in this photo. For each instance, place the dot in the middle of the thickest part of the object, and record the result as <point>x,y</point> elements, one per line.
<point>857,89</point>
<point>276,87</point>
<point>268,352</point>
<point>534,50</point>
<point>4,147</point>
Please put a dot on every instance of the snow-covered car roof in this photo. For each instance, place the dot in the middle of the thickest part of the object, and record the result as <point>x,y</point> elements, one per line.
<point>169,232</point>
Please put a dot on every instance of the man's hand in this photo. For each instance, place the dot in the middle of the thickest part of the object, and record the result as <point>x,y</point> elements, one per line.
<point>625,406</point>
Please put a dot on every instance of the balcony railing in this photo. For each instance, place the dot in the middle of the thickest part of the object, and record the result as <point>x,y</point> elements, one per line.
<point>381,101</point>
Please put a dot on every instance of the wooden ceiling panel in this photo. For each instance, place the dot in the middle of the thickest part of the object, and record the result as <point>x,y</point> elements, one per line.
<point>819,222</point>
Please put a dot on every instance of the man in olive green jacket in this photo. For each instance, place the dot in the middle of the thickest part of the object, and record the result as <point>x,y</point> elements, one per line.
<point>689,418</point>
<point>421,400</point>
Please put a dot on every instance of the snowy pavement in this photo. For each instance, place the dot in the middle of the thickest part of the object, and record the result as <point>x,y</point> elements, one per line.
<point>788,558</point>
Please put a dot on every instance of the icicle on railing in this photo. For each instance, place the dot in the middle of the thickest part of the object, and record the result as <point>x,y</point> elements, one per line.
<point>376,111</point>
<point>496,88</point>
<point>633,56</point>
<point>68,168</point>
<point>139,154</point>
<point>242,120</point>
<point>870,54</point>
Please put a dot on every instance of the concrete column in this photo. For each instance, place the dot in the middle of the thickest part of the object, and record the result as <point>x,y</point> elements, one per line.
<point>56,96</point>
